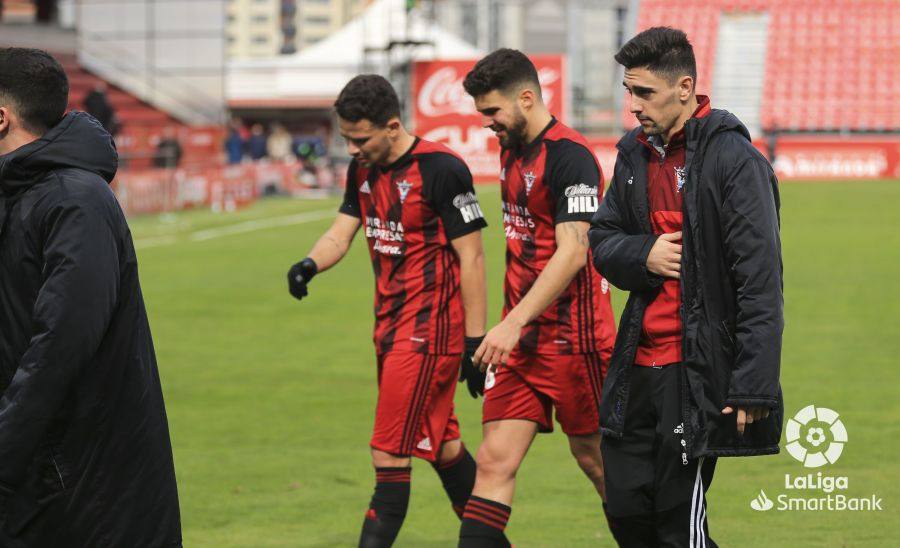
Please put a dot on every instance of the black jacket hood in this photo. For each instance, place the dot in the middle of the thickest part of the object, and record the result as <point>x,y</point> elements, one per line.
<point>78,141</point>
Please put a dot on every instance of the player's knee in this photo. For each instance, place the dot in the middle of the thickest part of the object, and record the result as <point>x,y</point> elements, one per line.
<point>380,459</point>
<point>450,451</point>
<point>588,458</point>
<point>494,463</point>
<point>590,465</point>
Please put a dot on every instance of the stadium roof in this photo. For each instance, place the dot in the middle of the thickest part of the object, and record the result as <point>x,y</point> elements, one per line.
<point>313,77</point>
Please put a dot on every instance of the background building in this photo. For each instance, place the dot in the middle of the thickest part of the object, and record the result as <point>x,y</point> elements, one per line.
<point>588,32</point>
<point>265,28</point>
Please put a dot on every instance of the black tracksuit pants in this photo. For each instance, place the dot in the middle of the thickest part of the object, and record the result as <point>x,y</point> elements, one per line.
<point>655,495</point>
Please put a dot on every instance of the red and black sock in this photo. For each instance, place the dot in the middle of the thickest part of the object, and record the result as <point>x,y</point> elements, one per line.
<point>483,524</point>
<point>458,477</point>
<point>387,508</point>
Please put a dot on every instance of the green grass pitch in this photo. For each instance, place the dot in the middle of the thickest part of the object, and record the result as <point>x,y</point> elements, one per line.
<point>271,401</point>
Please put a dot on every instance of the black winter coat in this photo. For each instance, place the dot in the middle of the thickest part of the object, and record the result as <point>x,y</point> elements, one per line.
<point>731,284</point>
<point>85,456</point>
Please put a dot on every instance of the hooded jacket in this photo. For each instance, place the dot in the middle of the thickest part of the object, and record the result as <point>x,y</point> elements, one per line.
<point>85,456</point>
<point>731,284</point>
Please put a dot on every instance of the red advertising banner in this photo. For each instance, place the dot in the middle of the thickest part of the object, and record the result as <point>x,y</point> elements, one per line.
<point>604,148</point>
<point>829,157</point>
<point>443,112</point>
<point>806,157</point>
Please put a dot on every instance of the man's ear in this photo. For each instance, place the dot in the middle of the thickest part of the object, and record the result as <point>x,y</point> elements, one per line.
<point>685,88</point>
<point>4,119</point>
<point>393,126</point>
<point>527,99</point>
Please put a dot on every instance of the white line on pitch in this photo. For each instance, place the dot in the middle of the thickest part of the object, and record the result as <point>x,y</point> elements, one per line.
<point>156,241</point>
<point>238,228</point>
<point>258,224</point>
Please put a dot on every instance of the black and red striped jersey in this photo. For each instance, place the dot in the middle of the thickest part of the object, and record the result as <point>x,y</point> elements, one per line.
<point>410,211</point>
<point>554,179</point>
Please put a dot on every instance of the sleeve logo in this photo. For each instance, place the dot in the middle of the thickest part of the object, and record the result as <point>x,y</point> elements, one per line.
<point>467,204</point>
<point>581,198</point>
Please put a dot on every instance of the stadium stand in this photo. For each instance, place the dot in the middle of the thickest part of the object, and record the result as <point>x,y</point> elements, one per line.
<point>130,110</point>
<point>831,65</point>
<point>141,124</point>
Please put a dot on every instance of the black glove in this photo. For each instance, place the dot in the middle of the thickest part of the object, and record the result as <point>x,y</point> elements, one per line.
<point>299,275</point>
<point>468,371</point>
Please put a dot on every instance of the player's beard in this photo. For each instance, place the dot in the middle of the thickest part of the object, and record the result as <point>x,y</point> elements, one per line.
<point>515,134</point>
<point>659,125</point>
<point>651,128</point>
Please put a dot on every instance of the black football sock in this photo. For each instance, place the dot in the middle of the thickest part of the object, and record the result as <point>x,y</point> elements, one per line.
<point>458,477</point>
<point>483,524</point>
<point>387,508</point>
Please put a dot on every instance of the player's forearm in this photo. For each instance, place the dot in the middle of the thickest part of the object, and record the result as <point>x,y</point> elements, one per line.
<point>473,288</point>
<point>556,276</point>
<point>329,250</point>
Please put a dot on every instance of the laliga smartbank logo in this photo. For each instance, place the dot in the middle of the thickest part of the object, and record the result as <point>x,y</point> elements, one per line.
<point>825,436</point>
<point>815,437</point>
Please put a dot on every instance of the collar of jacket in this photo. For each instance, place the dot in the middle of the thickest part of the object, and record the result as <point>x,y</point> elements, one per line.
<point>77,141</point>
<point>695,129</point>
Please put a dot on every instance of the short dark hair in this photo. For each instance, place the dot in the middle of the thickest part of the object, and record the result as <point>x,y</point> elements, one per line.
<point>370,97</point>
<point>503,70</point>
<point>663,50</point>
<point>33,84</point>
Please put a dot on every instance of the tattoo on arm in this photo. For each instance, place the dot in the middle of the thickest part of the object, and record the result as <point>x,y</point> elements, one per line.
<point>575,229</point>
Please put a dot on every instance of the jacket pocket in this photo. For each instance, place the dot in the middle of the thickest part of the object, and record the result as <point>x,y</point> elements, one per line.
<point>45,484</point>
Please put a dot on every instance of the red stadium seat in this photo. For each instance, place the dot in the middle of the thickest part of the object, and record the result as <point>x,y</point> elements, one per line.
<point>830,64</point>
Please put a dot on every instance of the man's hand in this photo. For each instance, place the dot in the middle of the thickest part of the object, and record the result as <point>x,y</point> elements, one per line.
<point>665,256</point>
<point>468,372</point>
<point>299,275</point>
<point>498,344</point>
<point>747,415</point>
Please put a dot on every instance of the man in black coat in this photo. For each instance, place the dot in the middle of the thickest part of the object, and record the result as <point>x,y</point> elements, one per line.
<point>96,103</point>
<point>690,227</point>
<point>85,456</point>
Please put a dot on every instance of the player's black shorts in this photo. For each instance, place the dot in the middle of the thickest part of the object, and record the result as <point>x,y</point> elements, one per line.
<point>647,476</point>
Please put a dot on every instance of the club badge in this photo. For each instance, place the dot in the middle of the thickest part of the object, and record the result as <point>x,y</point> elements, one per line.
<point>529,177</point>
<point>403,186</point>
<point>679,175</point>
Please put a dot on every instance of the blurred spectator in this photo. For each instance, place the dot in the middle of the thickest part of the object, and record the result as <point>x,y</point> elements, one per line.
<point>46,13</point>
<point>168,149</point>
<point>257,143</point>
<point>235,142</point>
<point>280,143</point>
<point>96,103</point>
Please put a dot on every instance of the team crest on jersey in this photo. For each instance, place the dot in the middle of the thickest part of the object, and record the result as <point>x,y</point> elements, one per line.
<point>679,176</point>
<point>365,188</point>
<point>403,186</point>
<point>529,177</point>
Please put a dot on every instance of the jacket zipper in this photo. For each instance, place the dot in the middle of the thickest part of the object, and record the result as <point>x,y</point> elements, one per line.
<point>59,475</point>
